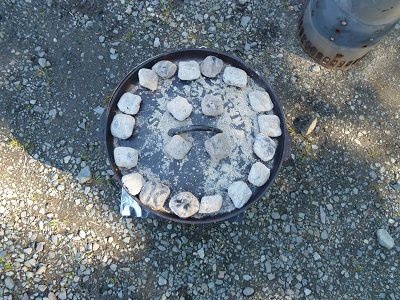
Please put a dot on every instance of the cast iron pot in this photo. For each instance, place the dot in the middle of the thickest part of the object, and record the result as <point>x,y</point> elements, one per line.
<point>282,151</point>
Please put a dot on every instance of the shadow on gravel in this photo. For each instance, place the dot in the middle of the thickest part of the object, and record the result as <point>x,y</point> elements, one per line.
<point>338,171</point>
<point>327,191</point>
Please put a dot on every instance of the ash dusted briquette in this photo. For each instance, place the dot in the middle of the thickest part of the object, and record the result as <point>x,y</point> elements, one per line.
<point>230,95</point>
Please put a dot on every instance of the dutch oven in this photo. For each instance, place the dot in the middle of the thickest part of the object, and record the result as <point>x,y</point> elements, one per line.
<point>147,108</point>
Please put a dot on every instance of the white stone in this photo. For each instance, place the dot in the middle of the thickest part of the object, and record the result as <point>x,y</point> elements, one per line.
<point>201,253</point>
<point>248,291</point>
<point>84,175</point>
<point>240,193</point>
<point>148,79</point>
<point>129,103</point>
<point>264,147</point>
<point>165,69</point>
<point>212,105</point>
<point>162,281</point>
<point>315,68</point>
<point>62,295</point>
<point>126,157</point>
<point>218,147</point>
<point>270,125</point>
<point>42,62</point>
<point>234,76</point>
<point>133,182</point>
<point>189,70</point>
<point>51,296</point>
<point>385,239</point>
<point>260,101</point>
<point>154,194</point>
<point>128,10</point>
<point>156,43</point>
<point>210,204</point>
<point>178,147</point>
<point>122,126</point>
<point>180,108</point>
<point>184,205</point>
<point>211,66</point>
<point>259,174</point>
<point>244,21</point>
<point>99,110</point>
<point>9,283</point>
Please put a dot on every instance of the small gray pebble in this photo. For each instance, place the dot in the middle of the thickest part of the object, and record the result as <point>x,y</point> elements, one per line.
<point>9,283</point>
<point>385,239</point>
<point>84,175</point>
<point>248,291</point>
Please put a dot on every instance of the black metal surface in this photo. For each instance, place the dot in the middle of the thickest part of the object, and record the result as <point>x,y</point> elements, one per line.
<point>239,218</point>
<point>282,151</point>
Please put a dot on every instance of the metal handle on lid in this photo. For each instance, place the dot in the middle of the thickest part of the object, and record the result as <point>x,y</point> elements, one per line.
<point>191,128</point>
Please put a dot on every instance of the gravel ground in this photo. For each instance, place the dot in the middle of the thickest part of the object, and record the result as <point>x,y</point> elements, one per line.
<point>313,236</point>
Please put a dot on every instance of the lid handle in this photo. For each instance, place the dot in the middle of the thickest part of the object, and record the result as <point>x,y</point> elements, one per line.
<point>191,128</point>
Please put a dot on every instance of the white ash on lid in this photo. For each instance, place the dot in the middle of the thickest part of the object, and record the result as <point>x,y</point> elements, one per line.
<point>133,182</point>
<point>240,193</point>
<point>260,101</point>
<point>154,194</point>
<point>218,146</point>
<point>122,126</point>
<point>148,79</point>
<point>184,205</point>
<point>212,105</point>
<point>210,204</point>
<point>180,108</point>
<point>129,103</point>
<point>211,66</point>
<point>126,157</point>
<point>165,69</point>
<point>264,147</point>
<point>178,147</point>
<point>270,125</point>
<point>259,174</point>
<point>189,70</point>
<point>235,76</point>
